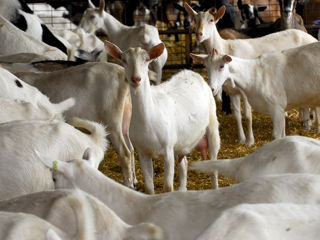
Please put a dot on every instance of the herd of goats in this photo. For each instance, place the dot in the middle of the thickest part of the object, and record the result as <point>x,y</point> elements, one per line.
<point>62,103</point>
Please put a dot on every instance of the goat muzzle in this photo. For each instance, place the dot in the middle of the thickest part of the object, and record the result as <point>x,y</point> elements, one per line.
<point>136,80</point>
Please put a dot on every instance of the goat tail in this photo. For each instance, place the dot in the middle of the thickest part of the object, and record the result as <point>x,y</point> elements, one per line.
<point>226,167</point>
<point>96,130</point>
<point>83,211</point>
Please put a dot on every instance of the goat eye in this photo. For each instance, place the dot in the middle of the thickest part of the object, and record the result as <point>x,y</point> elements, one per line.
<point>221,67</point>
<point>54,179</point>
<point>92,17</point>
<point>211,20</point>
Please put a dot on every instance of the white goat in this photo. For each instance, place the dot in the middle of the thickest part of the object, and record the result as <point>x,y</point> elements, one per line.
<point>208,35</point>
<point>13,109</point>
<point>80,216</point>
<point>273,83</point>
<point>293,154</point>
<point>102,95</point>
<point>175,212</point>
<point>266,222</point>
<point>14,88</point>
<point>145,36</point>
<point>20,170</point>
<point>168,120</point>
<point>14,41</point>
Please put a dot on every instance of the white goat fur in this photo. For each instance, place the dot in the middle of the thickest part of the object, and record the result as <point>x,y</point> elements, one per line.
<point>14,89</point>
<point>273,83</point>
<point>19,140</point>
<point>208,35</point>
<point>24,226</point>
<point>276,221</point>
<point>145,36</point>
<point>175,211</point>
<point>170,119</point>
<point>80,216</point>
<point>13,109</point>
<point>14,41</point>
<point>292,154</point>
<point>102,87</point>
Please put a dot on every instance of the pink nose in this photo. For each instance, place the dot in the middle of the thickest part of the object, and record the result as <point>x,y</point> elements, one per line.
<point>136,79</point>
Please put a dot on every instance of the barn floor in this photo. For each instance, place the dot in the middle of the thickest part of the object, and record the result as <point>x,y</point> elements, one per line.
<point>262,127</point>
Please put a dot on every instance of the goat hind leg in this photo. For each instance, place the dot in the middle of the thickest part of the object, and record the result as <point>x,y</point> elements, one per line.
<point>213,145</point>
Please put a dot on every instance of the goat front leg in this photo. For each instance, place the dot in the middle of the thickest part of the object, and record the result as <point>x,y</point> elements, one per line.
<point>248,117</point>
<point>279,122</point>
<point>147,170</point>
<point>183,173</point>
<point>168,170</point>
<point>235,100</point>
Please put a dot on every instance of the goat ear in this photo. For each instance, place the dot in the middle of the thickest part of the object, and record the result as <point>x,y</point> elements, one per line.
<point>220,13</point>
<point>113,50</point>
<point>90,4</point>
<point>48,162</point>
<point>212,11</point>
<point>190,10</point>
<point>55,165</point>
<point>198,57</point>
<point>156,51</point>
<point>101,6</point>
<point>227,58</point>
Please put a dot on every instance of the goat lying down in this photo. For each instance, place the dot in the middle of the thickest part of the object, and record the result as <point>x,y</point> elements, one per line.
<point>292,154</point>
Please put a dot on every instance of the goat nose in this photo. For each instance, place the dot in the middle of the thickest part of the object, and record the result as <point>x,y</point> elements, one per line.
<point>136,79</point>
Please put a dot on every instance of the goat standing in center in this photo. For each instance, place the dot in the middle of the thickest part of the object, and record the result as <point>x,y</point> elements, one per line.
<point>170,119</point>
